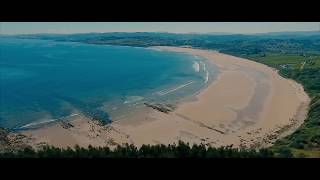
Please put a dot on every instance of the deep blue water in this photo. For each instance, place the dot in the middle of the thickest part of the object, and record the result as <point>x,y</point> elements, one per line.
<point>42,80</point>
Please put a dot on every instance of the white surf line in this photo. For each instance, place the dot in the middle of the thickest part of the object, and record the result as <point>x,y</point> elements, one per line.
<point>205,70</point>
<point>160,92</point>
<point>175,89</point>
<point>47,121</point>
<point>73,115</point>
<point>203,65</point>
<point>154,48</point>
<point>196,66</point>
<point>38,123</point>
<point>207,77</point>
<point>163,92</point>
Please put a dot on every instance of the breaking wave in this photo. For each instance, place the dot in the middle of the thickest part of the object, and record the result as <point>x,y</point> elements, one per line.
<point>161,93</point>
<point>133,99</point>
<point>44,122</point>
<point>206,78</point>
<point>196,66</point>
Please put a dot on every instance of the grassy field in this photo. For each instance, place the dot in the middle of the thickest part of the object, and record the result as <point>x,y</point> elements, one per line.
<point>294,61</point>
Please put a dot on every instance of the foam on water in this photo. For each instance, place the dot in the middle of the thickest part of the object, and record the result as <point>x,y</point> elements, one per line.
<point>154,48</point>
<point>29,125</point>
<point>196,66</point>
<point>133,99</point>
<point>162,93</point>
<point>206,77</point>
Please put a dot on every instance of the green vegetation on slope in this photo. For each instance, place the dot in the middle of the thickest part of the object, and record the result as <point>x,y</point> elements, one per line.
<point>306,140</point>
<point>305,69</point>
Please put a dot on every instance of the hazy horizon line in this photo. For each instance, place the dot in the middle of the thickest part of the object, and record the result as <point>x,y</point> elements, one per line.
<point>222,33</point>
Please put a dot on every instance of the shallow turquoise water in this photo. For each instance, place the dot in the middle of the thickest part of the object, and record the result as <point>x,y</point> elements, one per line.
<point>45,80</point>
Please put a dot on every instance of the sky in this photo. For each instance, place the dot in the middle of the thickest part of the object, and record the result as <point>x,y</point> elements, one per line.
<point>173,27</point>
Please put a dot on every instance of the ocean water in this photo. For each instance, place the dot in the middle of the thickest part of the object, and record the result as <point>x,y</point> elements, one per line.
<point>43,81</point>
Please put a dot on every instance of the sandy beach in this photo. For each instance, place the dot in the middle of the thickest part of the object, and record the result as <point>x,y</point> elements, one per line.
<point>249,105</point>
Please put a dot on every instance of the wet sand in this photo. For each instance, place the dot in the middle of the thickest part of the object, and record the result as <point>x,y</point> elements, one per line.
<point>249,105</point>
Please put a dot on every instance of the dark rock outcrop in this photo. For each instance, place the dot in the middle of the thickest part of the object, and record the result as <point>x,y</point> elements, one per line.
<point>165,108</point>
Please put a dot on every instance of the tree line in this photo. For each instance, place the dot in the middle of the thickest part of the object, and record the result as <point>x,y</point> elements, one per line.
<point>180,150</point>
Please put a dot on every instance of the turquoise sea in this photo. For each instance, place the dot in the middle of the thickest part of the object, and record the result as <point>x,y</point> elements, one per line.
<point>43,81</point>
